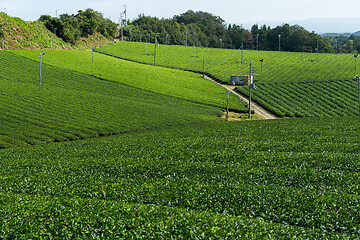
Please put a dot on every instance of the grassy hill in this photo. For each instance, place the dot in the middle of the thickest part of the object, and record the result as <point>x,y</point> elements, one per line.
<point>275,179</point>
<point>277,67</point>
<point>20,34</point>
<point>152,160</point>
<point>288,84</point>
<point>170,82</point>
<point>69,105</point>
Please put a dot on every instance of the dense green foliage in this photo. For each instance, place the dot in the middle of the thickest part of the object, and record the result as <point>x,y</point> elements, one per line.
<point>278,67</point>
<point>71,28</point>
<point>292,178</point>
<point>183,85</point>
<point>344,44</point>
<point>193,28</point>
<point>292,39</point>
<point>20,34</point>
<point>289,84</point>
<point>69,105</point>
<point>340,98</point>
<point>190,28</point>
<point>201,179</point>
<point>208,30</point>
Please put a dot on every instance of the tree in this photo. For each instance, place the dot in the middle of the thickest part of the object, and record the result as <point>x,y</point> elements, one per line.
<point>72,27</point>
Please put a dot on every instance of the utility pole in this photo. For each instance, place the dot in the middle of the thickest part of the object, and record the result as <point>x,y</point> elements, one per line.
<point>146,45</point>
<point>92,51</point>
<point>121,27</point>
<point>220,43</point>
<point>279,42</point>
<point>261,61</point>
<point>197,48</point>
<point>125,15</point>
<point>250,86</point>
<point>140,37</point>
<point>203,68</point>
<point>358,80</point>
<point>257,42</point>
<point>335,45</point>
<point>356,55</point>
<point>227,105</point>
<point>114,53</point>
<point>317,50</point>
<point>242,53</point>
<point>40,64</point>
<point>156,44</point>
<point>167,37</point>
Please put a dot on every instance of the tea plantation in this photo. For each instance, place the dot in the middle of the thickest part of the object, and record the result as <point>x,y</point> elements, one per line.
<point>274,179</point>
<point>317,99</point>
<point>69,105</point>
<point>288,84</point>
<point>139,152</point>
<point>277,67</point>
<point>179,84</point>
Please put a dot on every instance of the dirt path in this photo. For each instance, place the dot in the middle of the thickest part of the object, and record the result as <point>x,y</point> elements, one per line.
<point>262,112</point>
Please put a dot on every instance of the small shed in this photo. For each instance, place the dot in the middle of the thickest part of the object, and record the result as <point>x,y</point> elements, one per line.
<point>240,79</point>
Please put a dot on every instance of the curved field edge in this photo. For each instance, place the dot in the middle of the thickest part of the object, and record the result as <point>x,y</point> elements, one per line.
<point>327,78</point>
<point>69,105</point>
<point>275,67</point>
<point>297,177</point>
<point>175,83</point>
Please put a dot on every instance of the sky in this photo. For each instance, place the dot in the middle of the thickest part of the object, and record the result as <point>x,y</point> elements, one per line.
<point>232,11</point>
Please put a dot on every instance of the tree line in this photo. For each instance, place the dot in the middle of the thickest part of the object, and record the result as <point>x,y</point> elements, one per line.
<point>207,30</point>
<point>72,28</point>
<point>198,29</point>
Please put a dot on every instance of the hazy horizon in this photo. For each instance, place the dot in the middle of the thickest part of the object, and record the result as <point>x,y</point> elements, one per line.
<point>275,12</point>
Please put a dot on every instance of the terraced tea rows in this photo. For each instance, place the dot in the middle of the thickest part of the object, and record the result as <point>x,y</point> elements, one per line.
<point>277,67</point>
<point>69,105</point>
<point>302,84</point>
<point>318,99</point>
<point>281,179</point>
<point>183,85</point>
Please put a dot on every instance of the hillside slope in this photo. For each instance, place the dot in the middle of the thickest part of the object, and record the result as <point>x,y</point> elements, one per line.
<point>288,84</point>
<point>277,179</point>
<point>184,85</point>
<point>20,34</point>
<point>69,105</point>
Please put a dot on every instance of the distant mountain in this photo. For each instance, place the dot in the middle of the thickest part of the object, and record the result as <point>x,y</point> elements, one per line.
<point>357,33</point>
<point>318,25</point>
<point>341,34</point>
<point>336,34</point>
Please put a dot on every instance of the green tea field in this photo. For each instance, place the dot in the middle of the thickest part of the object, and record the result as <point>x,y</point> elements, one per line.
<point>69,105</point>
<point>277,67</point>
<point>273,179</point>
<point>169,82</point>
<point>140,152</point>
<point>288,84</point>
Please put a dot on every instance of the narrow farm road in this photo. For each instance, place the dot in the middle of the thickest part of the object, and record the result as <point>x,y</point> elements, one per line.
<point>262,112</point>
